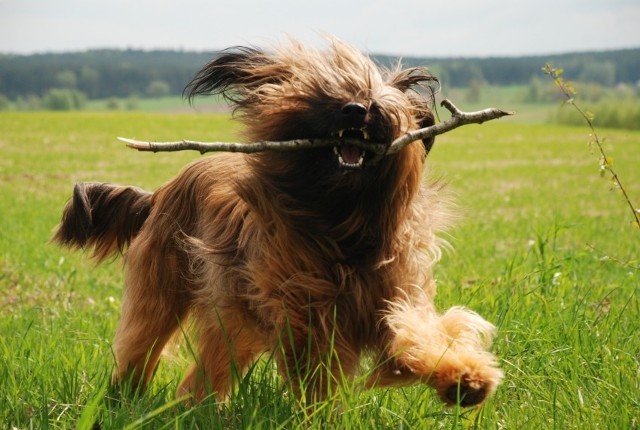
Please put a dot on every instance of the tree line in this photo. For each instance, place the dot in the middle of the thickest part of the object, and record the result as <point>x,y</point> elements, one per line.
<point>99,74</point>
<point>606,68</point>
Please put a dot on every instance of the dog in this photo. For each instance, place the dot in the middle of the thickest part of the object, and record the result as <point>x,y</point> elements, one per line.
<point>316,256</point>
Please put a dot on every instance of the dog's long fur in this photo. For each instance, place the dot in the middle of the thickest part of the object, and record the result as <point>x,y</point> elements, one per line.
<point>303,254</point>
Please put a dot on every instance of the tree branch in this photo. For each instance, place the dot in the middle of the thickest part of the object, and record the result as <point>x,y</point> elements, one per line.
<point>247,148</point>
<point>458,118</point>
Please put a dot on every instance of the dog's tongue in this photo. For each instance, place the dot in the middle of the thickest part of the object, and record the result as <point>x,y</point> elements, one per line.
<point>350,154</point>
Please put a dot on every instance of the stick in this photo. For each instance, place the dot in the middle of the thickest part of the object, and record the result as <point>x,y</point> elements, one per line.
<point>248,148</point>
<point>458,118</point>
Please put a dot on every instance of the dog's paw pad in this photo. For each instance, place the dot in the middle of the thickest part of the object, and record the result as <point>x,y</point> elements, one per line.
<point>468,392</point>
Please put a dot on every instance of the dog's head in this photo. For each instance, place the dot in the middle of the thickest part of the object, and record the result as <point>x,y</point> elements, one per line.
<point>297,93</point>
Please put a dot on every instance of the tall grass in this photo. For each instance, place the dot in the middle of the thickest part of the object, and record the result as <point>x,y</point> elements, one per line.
<point>544,250</point>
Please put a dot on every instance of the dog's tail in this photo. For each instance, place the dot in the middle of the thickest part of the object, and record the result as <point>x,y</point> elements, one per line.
<point>104,217</point>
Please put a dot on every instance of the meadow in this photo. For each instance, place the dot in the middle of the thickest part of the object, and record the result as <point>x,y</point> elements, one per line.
<point>545,249</point>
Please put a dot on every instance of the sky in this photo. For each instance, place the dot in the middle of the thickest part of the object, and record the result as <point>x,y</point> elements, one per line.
<point>398,27</point>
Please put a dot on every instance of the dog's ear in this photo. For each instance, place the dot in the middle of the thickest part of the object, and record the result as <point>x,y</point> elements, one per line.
<point>414,78</point>
<point>427,120</point>
<point>234,73</point>
<point>424,86</point>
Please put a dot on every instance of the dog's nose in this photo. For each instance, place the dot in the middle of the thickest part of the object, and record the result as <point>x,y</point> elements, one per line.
<point>354,110</point>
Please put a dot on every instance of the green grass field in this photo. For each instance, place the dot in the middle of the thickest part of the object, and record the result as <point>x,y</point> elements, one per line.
<point>545,250</point>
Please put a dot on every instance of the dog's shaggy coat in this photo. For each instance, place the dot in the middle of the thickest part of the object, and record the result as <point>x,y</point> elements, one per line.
<point>316,256</point>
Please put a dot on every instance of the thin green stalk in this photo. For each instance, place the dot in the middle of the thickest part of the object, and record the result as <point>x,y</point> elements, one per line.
<point>606,163</point>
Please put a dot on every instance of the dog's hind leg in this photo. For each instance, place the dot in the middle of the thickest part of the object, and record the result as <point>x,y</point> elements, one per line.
<point>226,347</point>
<point>448,351</point>
<point>154,304</point>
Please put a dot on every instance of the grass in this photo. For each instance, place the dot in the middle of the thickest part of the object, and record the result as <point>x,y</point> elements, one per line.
<point>544,249</point>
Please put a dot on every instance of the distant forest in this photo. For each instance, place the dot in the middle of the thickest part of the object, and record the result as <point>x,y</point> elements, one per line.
<point>100,74</point>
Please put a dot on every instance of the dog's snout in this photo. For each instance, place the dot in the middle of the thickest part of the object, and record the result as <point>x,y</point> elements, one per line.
<point>354,110</point>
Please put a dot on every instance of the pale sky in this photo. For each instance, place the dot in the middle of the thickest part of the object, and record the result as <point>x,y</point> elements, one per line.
<point>441,28</point>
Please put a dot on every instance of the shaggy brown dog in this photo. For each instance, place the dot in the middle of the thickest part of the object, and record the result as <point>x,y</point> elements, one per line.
<point>316,255</point>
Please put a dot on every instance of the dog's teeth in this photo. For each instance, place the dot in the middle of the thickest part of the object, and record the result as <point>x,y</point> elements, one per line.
<point>340,133</point>
<point>365,134</point>
<point>343,163</point>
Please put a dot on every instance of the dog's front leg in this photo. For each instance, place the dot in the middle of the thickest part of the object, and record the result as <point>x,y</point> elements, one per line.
<point>313,363</point>
<point>447,351</point>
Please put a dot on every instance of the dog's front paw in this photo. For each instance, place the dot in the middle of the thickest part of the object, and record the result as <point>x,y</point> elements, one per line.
<point>468,392</point>
<point>469,388</point>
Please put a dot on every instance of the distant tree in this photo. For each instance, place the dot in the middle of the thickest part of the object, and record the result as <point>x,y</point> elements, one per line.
<point>158,88</point>
<point>89,81</point>
<point>592,92</point>
<point>118,73</point>
<point>462,73</point>
<point>5,103</point>
<point>626,91</point>
<point>66,79</point>
<point>539,91</point>
<point>603,73</point>
<point>113,103</point>
<point>64,99</point>
<point>132,102</point>
<point>474,92</point>
<point>534,90</point>
<point>440,72</point>
<point>30,102</point>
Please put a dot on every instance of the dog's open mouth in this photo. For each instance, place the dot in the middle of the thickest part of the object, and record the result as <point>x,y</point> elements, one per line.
<point>350,156</point>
